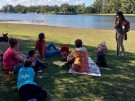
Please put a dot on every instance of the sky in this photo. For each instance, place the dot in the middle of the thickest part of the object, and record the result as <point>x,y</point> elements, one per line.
<point>44,2</point>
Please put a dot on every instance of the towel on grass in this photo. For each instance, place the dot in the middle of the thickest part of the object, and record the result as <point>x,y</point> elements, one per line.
<point>59,63</point>
<point>93,69</point>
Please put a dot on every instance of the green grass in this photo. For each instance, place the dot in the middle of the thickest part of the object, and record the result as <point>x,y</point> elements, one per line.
<point>116,84</point>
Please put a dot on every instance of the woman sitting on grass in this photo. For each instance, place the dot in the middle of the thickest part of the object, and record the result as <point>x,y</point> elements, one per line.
<point>43,49</point>
<point>12,59</point>
<point>79,56</point>
<point>28,89</point>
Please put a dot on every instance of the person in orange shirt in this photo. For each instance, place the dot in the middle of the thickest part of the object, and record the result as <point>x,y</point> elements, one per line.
<point>79,56</point>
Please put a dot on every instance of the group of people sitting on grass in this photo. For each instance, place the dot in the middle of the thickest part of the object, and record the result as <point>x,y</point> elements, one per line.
<point>26,66</point>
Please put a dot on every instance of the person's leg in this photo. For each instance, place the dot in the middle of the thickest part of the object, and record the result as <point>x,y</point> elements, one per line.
<point>51,45</point>
<point>118,45</point>
<point>37,93</point>
<point>121,38</point>
<point>17,67</point>
<point>122,46</point>
<point>25,92</point>
<point>41,64</point>
<point>51,53</point>
<point>41,95</point>
<point>31,91</point>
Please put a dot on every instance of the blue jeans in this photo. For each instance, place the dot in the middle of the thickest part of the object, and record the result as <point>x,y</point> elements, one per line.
<point>17,67</point>
<point>50,52</point>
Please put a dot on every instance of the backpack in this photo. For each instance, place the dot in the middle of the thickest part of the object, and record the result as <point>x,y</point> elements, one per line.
<point>126,25</point>
<point>64,52</point>
<point>101,60</point>
<point>101,54</point>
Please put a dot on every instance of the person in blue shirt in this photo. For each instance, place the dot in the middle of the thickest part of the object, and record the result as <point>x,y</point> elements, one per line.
<point>28,89</point>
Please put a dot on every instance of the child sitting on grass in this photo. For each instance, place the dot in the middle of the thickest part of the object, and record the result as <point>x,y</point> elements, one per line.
<point>79,57</point>
<point>101,55</point>
<point>36,63</point>
<point>28,89</point>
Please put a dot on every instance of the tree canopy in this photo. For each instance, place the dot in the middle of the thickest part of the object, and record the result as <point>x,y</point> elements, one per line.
<point>99,6</point>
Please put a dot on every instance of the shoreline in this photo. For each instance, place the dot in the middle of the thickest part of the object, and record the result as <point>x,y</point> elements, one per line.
<point>4,22</point>
<point>8,20</point>
<point>112,14</point>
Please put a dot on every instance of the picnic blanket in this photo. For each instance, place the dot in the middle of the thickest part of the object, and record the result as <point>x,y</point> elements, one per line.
<point>93,69</point>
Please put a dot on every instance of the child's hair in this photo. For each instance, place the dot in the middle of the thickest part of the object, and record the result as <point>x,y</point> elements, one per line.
<point>41,36</point>
<point>27,63</point>
<point>31,53</point>
<point>120,14</point>
<point>78,43</point>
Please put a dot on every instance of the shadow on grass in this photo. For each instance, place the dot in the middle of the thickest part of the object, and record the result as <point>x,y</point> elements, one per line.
<point>116,84</point>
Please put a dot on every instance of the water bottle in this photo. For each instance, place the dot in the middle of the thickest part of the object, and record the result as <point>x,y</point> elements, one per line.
<point>40,73</point>
<point>11,75</point>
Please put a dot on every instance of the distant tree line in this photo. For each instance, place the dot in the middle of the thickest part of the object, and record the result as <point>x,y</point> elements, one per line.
<point>99,6</point>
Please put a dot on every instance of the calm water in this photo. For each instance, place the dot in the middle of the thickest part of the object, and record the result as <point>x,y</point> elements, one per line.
<point>74,21</point>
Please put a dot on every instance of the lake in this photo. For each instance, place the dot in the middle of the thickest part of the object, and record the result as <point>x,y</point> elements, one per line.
<point>73,21</point>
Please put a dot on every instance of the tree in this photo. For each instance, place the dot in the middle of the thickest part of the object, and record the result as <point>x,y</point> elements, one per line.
<point>20,9</point>
<point>98,4</point>
<point>127,6</point>
<point>64,8</point>
<point>90,10</point>
<point>80,9</point>
<point>56,9</point>
<point>8,9</point>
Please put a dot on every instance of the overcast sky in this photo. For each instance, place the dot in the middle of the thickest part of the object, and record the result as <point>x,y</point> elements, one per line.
<point>44,2</point>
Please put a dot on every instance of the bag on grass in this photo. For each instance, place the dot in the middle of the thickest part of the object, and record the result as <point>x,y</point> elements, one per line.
<point>64,52</point>
<point>101,55</point>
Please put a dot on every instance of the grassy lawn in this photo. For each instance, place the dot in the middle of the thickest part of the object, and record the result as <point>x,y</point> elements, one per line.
<point>116,84</point>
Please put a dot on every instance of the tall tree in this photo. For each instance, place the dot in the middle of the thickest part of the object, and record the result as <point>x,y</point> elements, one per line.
<point>8,9</point>
<point>20,8</point>
<point>98,4</point>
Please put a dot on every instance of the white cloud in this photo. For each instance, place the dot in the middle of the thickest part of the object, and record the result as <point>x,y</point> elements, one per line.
<point>80,2</point>
<point>33,2</point>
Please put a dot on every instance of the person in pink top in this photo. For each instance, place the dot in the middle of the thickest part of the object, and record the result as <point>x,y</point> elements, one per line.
<point>12,59</point>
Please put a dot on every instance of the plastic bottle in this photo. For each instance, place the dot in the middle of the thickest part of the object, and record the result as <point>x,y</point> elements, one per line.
<point>40,73</point>
<point>11,75</point>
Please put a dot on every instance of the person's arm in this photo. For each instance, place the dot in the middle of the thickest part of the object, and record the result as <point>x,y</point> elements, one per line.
<point>114,22</point>
<point>19,58</point>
